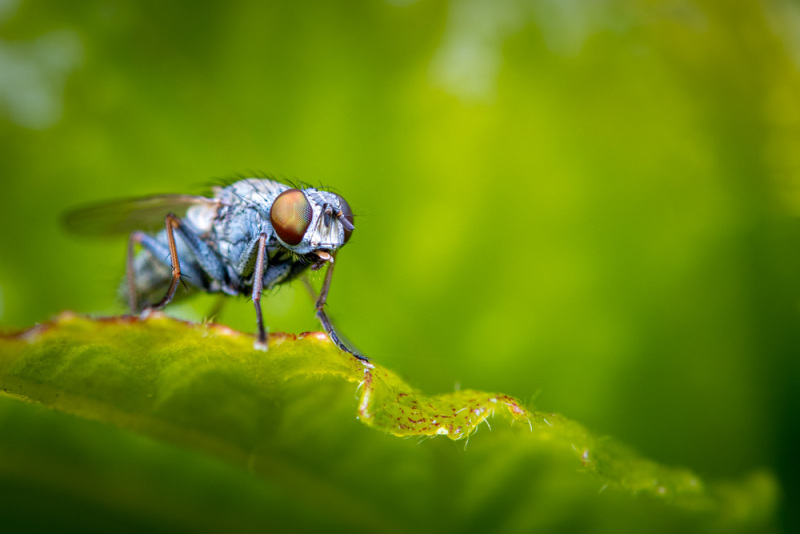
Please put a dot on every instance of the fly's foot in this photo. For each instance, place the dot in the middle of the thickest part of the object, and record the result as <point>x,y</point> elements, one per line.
<point>366,362</point>
<point>344,348</point>
<point>261,339</point>
<point>361,357</point>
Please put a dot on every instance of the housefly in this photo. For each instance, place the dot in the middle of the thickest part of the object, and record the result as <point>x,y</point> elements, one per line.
<point>250,236</point>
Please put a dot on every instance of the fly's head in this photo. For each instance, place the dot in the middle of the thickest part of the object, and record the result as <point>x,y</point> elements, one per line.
<point>308,221</point>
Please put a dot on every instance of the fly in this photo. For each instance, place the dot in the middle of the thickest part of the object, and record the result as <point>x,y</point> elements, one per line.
<point>251,236</point>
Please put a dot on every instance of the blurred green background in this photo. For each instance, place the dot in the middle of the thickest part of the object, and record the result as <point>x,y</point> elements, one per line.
<point>591,206</point>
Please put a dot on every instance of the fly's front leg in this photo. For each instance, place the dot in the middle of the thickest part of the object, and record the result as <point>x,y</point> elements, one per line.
<point>323,317</point>
<point>258,287</point>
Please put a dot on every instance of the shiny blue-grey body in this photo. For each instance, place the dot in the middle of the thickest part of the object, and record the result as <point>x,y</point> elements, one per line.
<point>217,247</point>
<point>225,243</point>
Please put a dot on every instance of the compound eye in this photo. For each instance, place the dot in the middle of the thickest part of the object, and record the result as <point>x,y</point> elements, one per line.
<point>290,215</point>
<point>347,213</point>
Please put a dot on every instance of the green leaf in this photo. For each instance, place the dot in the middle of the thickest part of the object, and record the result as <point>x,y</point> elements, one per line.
<point>175,418</point>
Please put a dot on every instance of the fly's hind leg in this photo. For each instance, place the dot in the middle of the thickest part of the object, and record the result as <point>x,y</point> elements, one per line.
<point>158,250</point>
<point>172,222</point>
<point>204,261</point>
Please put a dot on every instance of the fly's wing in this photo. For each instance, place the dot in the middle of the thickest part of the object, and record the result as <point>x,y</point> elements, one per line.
<point>124,216</point>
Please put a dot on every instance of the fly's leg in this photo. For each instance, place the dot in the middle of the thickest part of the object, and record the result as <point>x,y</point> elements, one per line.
<point>258,287</point>
<point>323,317</point>
<point>204,261</point>
<point>172,222</point>
<point>161,253</point>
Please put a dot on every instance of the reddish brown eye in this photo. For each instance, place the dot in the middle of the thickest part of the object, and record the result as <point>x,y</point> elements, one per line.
<point>290,215</point>
<point>347,213</point>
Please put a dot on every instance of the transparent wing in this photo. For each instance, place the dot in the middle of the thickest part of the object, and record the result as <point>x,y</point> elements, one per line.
<point>128,215</point>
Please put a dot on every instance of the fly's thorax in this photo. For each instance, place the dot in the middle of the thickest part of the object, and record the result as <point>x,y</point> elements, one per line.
<point>243,215</point>
<point>257,193</point>
<point>236,231</point>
